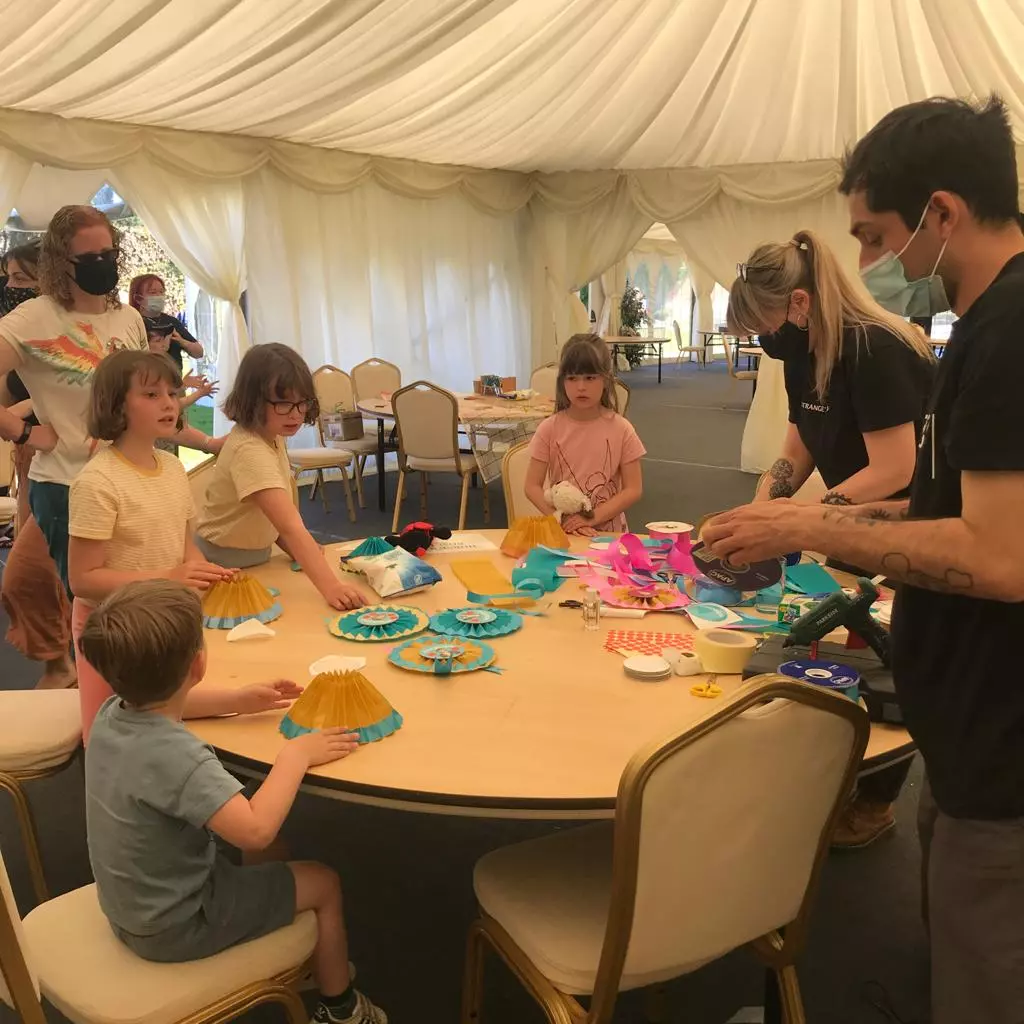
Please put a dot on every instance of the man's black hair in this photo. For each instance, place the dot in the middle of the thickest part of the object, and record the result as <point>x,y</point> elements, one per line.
<point>938,144</point>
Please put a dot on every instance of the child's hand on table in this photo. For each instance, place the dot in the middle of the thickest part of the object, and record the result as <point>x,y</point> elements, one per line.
<point>344,597</point>
<point>325,745</point>
<point>199,574</point>
<point>578,525</point>
<point>251,700</point>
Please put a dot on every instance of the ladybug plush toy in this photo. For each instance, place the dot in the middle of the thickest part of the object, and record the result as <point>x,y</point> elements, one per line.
<point>417,537</point>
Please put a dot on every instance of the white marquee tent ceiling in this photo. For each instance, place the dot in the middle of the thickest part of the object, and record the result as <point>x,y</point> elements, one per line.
<point>519,84</point>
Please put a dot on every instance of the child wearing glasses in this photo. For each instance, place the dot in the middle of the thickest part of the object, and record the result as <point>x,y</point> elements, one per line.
<point>249,505</point>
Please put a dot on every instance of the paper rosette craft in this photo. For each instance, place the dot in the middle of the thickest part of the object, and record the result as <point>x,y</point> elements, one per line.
<point>378,622</point>
<point>655,597</point>
<point>527,532</point>
<point>442,655</point>
<point>346,699</point>
<point>476,622</point>
<point>230,602</point>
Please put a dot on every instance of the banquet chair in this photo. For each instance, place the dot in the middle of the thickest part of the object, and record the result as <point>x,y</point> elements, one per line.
<point>686,350</point>
<point>199,477</point>
<point>335,392</point>
<point>8,479</point>
<point>427,419</point>
<point>544,380</point>
<point>317,460</point>
<point>42,734</point>
<point>622,393</point>
<point>374,377</point>
<point>513,482</point>
<point>65,950</point>
<point>719,837</point>
<point>732,357</point>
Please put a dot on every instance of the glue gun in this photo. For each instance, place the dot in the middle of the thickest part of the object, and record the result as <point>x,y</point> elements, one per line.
<point>840,609</point>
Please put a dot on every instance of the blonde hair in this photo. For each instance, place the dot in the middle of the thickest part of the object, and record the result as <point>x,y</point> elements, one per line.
<point>143,639</point>
<point>54,279</point>
<point>586,355</point>
<point>775,270</point>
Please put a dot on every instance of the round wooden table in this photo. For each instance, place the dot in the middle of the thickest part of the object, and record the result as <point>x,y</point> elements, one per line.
<point>548,738</point>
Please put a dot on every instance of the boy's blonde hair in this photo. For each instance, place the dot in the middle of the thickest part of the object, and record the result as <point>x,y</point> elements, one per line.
<point>143,638</point>
<point>586,355</point>
<point>775,270</point>
<point>112,381</point>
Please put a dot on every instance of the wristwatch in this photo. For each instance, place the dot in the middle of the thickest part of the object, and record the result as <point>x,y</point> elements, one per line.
<point>26,433</point>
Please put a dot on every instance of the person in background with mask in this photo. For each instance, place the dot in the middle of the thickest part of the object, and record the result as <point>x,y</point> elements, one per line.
<point>857,380</point>
<point>933,196</point>
<point>147,294</point>
<point>31,591</point>
<point>55,342</point>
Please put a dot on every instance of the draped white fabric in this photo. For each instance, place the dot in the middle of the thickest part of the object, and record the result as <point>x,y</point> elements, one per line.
<point>14,172</point>
<point>525,84</point>
<point>204,231</point>
<point>724,234</point>
<point>435,286</point>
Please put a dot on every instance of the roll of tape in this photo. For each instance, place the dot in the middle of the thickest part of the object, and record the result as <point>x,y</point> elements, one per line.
<point>687,664</point>
<point>708,592</point>
<point>665,529</point>
<point>724,651</point>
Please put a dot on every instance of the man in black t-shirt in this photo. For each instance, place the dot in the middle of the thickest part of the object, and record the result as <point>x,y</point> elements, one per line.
<point>933,202</point>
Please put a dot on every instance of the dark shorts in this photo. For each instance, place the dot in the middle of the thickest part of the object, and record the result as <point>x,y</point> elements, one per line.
<point>49,504</point>
<point>239,904</point>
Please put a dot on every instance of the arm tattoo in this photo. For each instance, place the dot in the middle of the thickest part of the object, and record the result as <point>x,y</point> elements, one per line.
<point>836,498</point>
<point>781,475</point>
<point>883,514</point>
<point>952,581</point>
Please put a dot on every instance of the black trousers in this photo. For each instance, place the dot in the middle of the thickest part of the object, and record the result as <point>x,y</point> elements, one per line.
<point>883,787</point>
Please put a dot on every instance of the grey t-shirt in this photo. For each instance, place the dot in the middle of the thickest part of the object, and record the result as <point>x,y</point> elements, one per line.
<point>150,788</point>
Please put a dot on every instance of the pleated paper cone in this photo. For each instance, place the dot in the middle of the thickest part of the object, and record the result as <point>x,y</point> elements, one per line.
<point>230,602</point>
<point>346,699</point>
<point>528,531</point>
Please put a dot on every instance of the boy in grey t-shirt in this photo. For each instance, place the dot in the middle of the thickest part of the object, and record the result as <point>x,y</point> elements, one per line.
<point>156,797</point>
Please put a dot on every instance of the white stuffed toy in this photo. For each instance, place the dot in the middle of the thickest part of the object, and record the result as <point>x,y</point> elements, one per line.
<point>568,500</point>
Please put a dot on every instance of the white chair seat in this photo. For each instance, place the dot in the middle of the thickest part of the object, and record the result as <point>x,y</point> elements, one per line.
<point>319,458</point>
<point>42,728</point>
<point>8,510</point>
<point>357,445</point>
<point>552,895</point>
<point>90,976</point>
<point>442,465</point>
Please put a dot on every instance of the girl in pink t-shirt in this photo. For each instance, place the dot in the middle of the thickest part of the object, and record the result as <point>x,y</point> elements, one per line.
<point>587,442</point>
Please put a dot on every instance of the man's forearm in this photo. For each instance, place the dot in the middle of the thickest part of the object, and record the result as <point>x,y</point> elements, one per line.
<point>892,511</point>
<point>935,554</point>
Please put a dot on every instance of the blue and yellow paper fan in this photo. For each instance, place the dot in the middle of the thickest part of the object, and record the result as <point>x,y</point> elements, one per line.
<point>230,602</point>
<point>378,622</point>
<point>346,699</point>
<point>476,622</point>
<point>370,546</point>
<point>443,655</point>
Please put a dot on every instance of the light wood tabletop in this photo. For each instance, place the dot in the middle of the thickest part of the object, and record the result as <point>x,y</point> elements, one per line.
<point>547,738</point>
<point>473,408</point>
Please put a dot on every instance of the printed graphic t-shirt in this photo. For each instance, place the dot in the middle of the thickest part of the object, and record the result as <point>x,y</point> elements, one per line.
<point>589,454</point>
<point>59,350</point>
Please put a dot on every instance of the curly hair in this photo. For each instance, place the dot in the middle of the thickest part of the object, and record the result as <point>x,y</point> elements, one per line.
<point>54,279</point>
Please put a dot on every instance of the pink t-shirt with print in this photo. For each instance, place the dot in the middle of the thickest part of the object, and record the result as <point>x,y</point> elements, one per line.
<point>589,454</point>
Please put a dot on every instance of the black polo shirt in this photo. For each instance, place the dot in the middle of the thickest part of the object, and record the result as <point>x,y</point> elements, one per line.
<point>956,660</point>
<point>164,323</point>
<point>877,382</point>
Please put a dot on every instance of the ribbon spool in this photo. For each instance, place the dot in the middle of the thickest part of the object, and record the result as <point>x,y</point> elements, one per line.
<point>707,591</point>
<point>829,675</point>
<point>668,530</point>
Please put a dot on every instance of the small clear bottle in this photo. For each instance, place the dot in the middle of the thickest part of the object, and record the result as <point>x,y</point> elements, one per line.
<point>591,609</point>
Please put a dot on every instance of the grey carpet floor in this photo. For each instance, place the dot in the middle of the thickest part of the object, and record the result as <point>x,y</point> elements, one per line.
<point>408,876</point>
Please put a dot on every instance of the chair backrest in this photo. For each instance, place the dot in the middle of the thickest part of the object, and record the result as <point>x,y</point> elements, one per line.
<point>513,481</point>
<point>544,380</point>
<point>678,334</point>
<point>199,477</point>
<point>622,393</point>
<point>6,463</point>
<point>334,390</point>
<point>428,421</point>
<point>20,990</point>
<point>721,830</point>
<point>373,377</point>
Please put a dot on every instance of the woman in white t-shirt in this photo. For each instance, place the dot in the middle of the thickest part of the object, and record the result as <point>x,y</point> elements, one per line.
<point>55,342</point>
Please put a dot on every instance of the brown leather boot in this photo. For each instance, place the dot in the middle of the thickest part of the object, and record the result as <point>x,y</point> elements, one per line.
<point>862,823</point>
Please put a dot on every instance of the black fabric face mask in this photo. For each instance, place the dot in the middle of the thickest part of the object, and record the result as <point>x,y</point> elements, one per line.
<point>97,277</point>
<point>786,340</point>
<point>12,297</point>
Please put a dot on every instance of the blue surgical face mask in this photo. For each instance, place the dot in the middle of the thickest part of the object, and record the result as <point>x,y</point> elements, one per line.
<point>886,280</point>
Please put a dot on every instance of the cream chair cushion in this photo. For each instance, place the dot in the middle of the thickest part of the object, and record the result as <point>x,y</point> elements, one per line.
<point>8,509</point>
<point>10,904</point>
<point>90,976</point>
<point>42,728</point>
<point>319,458</point>
<point>468,463</point>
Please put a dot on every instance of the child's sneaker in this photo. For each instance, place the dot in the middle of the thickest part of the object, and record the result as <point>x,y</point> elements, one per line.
<point>364,1012</point>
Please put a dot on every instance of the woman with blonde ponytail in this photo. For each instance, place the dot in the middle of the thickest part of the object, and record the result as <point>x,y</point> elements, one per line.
<point>857,379</point>
<point>857,376</point>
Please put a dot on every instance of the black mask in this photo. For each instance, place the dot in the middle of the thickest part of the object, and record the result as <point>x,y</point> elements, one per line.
<point>97,277</point>
<point>787,339</point>
<point>12,297</point>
